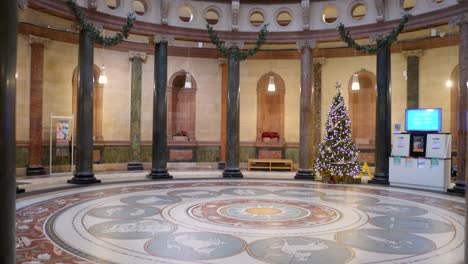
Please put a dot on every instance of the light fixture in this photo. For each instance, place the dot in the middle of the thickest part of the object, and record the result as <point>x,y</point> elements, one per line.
<point>355,86</point>
<point>449,83</point>
<point>103,76</point>
<point>188,81</point>
<point>466,84</point>
<point>271,84</point>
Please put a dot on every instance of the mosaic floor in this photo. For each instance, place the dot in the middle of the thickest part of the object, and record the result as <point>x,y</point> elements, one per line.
<point>241,222</point>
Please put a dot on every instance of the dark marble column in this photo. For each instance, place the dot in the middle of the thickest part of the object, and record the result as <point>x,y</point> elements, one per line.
<point>317,107</point>
<point>159,160</point>
<point>412,77</point>
<point>84,119</point>
<point>222,152</point>
<point>35,112</point>
<point>8,31</point>
<point>383,117</point>
<point>462,22</point>
<point>231,169</point>
<point>306,149</point>
<point>137,59</point>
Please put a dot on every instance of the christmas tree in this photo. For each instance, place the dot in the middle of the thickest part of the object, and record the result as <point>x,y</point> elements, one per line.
<point>338,153</point>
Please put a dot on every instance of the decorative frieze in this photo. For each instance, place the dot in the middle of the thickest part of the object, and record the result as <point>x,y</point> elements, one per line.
<point>380,8</point>
<point>235,10</point>
<point>164,11</point>
<point>305,7</point>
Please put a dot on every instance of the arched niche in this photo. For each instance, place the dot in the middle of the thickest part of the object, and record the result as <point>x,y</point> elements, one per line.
<point>454,106</point>
<point>181,105</point>
<point>97,101</point>
<point>362,107</point>
<point>270,106</point>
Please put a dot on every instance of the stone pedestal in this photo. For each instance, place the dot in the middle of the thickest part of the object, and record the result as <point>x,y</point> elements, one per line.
<point>231,169</point>
<point>35,112</point>
<point>84,125</point>
<point>137,59</point>
<point>383,117</point>
<point>8,47</point>
<point>159,158</point>
<point>306,148</point>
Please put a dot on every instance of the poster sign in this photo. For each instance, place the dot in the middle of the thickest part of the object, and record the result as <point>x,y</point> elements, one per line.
<point>63,137</point>
<point>397,161</point>
<point>435,143</point>
<point>434,163</point>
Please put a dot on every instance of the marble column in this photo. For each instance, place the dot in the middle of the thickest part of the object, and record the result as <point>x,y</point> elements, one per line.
<point>383,117</point>
<point>35,112</point>
<point>306,148</point>
<point>232,169</point>
<point>462,22</point>
<point>159,155</point>
<point>84,119</point>
<point>317,107</point>
<point>137,59</point>
<point>222,151</point>
<point>412,77</point>
<point>8,47</point>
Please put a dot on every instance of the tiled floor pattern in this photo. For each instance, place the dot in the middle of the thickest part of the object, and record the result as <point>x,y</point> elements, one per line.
<point>239,221</point>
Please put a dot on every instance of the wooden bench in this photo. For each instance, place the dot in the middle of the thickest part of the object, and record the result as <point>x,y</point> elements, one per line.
<point>270,164</point>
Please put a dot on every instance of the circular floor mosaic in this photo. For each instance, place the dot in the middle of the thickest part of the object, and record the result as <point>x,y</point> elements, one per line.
<point>249,221</point>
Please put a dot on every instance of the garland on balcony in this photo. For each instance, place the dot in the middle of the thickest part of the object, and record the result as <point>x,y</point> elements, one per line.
<point>95,33</point>
<point>387,41</point>
<point>240,55</point>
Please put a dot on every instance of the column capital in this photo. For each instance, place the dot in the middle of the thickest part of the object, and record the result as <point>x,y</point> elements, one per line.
<point>222,61</point>
<point>458,20</point>
<point>305,44</point>
<point>137,55</point>
<point>378,36</point>
<point>164,38</point>
<point>38,40</point>
<point>234,44</point>
<point>23,4</point>
<point>320,60</point>
<point>412,53</point>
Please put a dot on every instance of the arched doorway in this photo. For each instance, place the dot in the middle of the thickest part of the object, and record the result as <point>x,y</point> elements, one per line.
<point>270,106</point>
<point>181,105</point>
<point>362,107</point>
<point>97,101</point>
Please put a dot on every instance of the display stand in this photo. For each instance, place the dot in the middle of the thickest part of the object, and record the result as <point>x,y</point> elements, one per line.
<point>421,161</point>
<point>61,132</point>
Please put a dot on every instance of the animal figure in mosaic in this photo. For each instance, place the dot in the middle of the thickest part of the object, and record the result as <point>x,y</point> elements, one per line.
<point>195,194</point>
<point>112,211</point>
<point>387,208</point>
<point>410,224</point>
<point>203,247</point>
<point>395,244</point>
<point>140,226</point>
<point>152,199</point>
<point>299,252</point>
<point>138,212</point>
<point>245,192</point>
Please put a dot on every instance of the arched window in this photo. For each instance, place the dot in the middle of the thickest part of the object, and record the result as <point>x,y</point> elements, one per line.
<point>97,101</point>
<point>181,92</point>
<point>362,107</point>
<point>270,106</point>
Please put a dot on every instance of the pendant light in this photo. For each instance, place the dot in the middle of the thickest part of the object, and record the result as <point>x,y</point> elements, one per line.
<point>271,84</point>
<point>355,86</point>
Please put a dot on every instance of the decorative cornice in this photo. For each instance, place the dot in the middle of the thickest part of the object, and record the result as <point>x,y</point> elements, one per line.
<point>164,38</point>
<point>412,53</point>
<point>234,44</point>
<point>305,6</point>
<point>300,44</point>
<point>235,12</point>
<point>320,61</point>
<point>137,55</point>
<point>23,4</point>
<point>165,11</point>
<point>38,40</point>
<point>458,20</point>
<point>380,7</point>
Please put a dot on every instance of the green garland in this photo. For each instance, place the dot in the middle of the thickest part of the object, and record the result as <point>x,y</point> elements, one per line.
<point>383,43</point>
<point>94,32</point>
<point>240,55</point>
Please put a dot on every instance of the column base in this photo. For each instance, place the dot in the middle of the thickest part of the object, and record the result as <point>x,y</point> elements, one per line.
<point>19,190</point>
<point>133,166</point>
<point>159,174</point>
<point>232,173</point>
<point>221,165</point>
<point>304,174</point>
<point>35,171</point>
<point>84,178</point>
<point>460,187</point>
<point>380,178</point>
